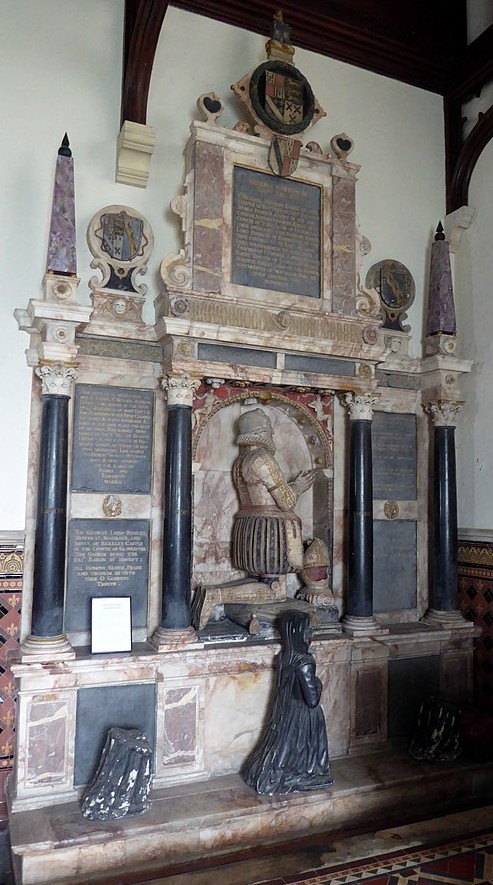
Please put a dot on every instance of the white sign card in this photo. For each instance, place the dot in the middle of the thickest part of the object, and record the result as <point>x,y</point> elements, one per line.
<point>111,624</point>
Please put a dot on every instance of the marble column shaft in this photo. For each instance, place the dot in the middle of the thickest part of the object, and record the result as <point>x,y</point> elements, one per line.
<point>51,513</point>
<point>360,528</point>
<point>177,554</point>
<point>177,539</point>
<point>445,580</point>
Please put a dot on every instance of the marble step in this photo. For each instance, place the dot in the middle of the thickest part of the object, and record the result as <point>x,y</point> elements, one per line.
<point>222,815</point>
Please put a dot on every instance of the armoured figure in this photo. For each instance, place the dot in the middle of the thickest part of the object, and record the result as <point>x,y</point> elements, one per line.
<point>267,538</point>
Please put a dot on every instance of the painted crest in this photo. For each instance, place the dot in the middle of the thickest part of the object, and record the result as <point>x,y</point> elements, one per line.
<point>284,98</point>
<point>283,155</point>
<point>122,236</point>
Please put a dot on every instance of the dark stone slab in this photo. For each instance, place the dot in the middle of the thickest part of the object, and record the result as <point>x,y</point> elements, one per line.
<point>110,706</point>
<point>395,379</point>
<point>318,364</point>
<point>394,456</point>
<point>106,558</point>
<point>410,681</point>
<point>112,450</point>
<point>242,355</point>
<point>394,565</point>
<point>276,233</point>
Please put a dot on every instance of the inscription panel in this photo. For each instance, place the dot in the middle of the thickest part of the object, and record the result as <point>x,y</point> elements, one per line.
<point>112,449</point>
<point>394,565</point>
<point>394,456</point>
<point>277,241</point>
<point>106,558</point>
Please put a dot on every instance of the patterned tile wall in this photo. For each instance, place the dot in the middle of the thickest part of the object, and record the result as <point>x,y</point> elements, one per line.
<point>476,603</point>
<point>11,568</point>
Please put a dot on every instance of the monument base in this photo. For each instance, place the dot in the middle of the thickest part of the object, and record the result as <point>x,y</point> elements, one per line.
<point>221,816</point>
<point>36,649</point>
<point>164,639</point>
<point>363,626</point>
<point>447,619</point>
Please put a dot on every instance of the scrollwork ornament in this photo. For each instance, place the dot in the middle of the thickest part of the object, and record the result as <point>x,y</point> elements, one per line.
<point>367,305</point>
<point>176,271</point>
<point>57,379</point>
<point>180,389</point>
<point>359,405</point>
<point>444,412</point>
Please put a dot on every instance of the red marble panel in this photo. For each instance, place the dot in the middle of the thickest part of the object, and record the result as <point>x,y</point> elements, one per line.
<point>180,725</point>
<point>343,246</point>
<point>208,218</point>
<point>46,742</point>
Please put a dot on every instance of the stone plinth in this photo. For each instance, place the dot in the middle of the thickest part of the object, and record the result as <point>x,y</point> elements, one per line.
<point>215,817</point>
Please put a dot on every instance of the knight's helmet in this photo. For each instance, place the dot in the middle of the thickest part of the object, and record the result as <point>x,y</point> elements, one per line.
<point>253,425</point>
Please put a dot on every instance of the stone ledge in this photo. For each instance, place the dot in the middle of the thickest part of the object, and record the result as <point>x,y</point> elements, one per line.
<point>223,815</point>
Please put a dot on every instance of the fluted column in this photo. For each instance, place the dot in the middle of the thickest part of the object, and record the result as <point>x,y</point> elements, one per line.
<point>175,629</point>
<point>444,608</point>
<point>47,638</point>
<point>359,618</point>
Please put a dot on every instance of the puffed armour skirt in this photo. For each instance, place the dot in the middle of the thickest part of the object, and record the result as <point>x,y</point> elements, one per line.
<point>267,545</point>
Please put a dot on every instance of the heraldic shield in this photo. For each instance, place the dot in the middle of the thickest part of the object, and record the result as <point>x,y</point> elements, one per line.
<point>122,236</point>
<point>284,155</point>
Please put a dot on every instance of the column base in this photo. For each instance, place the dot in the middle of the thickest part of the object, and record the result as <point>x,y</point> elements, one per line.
<point>437,618</point>
<point>166,639</point>
<point>363,626</point>
<point>46,648</point>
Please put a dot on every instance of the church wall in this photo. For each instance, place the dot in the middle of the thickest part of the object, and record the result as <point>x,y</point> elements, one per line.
<point>68,79</point>
<point>474,268</point>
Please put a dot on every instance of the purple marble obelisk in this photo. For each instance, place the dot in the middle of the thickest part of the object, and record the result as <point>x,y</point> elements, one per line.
<point>62,255</point>
<point>441,308</point>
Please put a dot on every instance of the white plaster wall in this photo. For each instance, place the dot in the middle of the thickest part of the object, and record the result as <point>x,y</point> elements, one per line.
<point>479,17</point>
<point>474,301</point>
<point>62,71</point>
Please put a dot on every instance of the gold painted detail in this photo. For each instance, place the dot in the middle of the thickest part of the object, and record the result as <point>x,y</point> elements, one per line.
<point>476,555</point>
<point>11,563</point>
<point>391,509</point>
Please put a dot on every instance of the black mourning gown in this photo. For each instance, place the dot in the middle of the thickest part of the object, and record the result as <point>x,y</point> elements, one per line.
<point>293,753</point>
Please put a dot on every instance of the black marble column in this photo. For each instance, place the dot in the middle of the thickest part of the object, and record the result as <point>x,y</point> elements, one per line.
<point>445,581</point>
<point>51,516</point>
<point>175,628</point>
<point>359,619</point>
<point>360,521</point>
<point>177,553</point>
<point>46,637</point>
<point>444,606</point>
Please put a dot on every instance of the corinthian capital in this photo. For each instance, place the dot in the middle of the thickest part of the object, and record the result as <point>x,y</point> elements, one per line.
<point>56,379</point>
<point>359,405</point>
<point>444,412</point>
<point>180,389</point>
